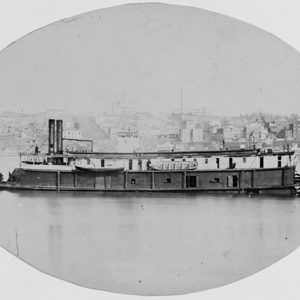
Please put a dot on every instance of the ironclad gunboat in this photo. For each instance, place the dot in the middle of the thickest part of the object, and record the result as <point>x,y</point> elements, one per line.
<point>235,171</point>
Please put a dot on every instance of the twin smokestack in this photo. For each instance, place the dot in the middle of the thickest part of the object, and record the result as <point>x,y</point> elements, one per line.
<point>55,142</point>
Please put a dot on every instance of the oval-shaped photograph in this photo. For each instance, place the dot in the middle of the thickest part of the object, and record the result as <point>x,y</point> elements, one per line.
<point>150,149</point>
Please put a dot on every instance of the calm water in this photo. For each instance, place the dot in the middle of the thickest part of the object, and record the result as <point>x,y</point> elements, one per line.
<point>148,244</point>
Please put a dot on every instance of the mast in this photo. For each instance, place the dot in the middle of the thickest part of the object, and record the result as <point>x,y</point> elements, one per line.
<point>180,125</point>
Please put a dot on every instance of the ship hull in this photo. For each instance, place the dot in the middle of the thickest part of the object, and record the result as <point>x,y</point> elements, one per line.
<point>241,181</point>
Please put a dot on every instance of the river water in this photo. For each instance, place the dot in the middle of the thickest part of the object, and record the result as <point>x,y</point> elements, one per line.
<point>148,244</point>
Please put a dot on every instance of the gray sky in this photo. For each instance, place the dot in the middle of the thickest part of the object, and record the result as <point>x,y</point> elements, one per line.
<point>145,54</point>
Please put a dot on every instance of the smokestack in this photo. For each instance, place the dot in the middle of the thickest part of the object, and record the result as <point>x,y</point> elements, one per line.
<point>51,136</point>
<point>59,136</point>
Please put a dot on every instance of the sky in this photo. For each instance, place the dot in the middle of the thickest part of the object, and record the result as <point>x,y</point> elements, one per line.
<point>229,67</point>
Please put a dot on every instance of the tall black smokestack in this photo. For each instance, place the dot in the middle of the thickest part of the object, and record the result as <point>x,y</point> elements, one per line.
<point>51,137</point>
<point>59,136</point>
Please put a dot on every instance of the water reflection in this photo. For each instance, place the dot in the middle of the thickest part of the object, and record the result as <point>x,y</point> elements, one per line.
<point>149,244</point>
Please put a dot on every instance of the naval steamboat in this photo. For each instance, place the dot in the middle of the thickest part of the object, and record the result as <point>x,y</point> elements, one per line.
<point>244,171</point>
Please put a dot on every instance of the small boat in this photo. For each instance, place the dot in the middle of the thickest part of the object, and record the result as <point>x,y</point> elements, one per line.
<point>41,168</point>
<point>101,169</point>
<point>174,165</point>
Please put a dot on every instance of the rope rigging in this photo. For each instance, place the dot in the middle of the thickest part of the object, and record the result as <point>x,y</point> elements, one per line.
<point>34,145</point>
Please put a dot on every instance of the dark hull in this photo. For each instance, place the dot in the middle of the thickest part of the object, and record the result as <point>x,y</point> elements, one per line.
<point>259,191</point>
<point>247,181</point>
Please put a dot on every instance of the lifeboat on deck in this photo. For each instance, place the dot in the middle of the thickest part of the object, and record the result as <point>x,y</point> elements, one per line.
<point>174,165</point>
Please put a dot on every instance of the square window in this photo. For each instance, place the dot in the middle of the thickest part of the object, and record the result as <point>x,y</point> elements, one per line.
<point>191,181</point>
<point>168,180</point>
<point>232,181</point>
